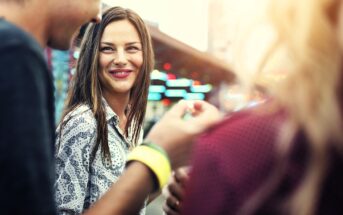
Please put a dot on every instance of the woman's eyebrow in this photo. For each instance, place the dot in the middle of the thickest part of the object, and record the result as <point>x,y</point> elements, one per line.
<point>132,43</point>
<point>107,43</point>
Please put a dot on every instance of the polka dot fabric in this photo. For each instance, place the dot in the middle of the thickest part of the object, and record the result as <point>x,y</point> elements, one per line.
<point>234,159</point>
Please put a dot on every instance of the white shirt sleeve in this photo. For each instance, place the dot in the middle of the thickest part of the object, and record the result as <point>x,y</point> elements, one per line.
<point>73,150</point>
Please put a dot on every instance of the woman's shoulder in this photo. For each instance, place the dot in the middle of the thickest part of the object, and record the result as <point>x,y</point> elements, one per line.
<point>78,126</point>
<point>79,116</point>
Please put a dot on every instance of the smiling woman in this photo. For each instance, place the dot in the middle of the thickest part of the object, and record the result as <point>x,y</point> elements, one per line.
<point>104,112</point>
<point>120,59</point>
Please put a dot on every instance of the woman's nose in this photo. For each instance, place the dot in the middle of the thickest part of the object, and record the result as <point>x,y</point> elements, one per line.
<point>120,57</point>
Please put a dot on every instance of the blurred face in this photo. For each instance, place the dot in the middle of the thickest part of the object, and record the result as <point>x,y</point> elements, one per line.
<point>120,58</point>
<point>67,16</point>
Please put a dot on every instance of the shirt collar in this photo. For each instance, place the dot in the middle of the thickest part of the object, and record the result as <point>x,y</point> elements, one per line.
<point>109,112</point>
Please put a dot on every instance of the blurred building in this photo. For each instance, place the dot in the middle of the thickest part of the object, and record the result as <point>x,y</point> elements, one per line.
<point>181,72</point>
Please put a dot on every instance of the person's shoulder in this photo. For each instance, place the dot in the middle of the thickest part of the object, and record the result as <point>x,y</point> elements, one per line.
<point>243,143</point>
<point>244,131</point>
<point>79,121</point>
<point>82,114</point>
<point>13,37</point>
<point>261,117</point>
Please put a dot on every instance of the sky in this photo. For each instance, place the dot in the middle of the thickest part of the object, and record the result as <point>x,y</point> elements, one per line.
<point>185,20</point>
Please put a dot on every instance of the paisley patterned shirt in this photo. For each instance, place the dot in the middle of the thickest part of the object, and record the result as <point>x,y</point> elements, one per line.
<point>80,182</point>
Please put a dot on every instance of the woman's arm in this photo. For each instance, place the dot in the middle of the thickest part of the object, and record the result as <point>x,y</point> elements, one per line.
<point>72,165</point>
<point>128,194</point>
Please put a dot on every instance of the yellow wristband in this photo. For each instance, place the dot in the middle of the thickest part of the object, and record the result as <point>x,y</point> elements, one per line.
<point>157,162</point>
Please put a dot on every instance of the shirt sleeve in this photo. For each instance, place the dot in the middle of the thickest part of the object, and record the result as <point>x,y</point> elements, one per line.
<point>73,149</point>
<point>26,157</point>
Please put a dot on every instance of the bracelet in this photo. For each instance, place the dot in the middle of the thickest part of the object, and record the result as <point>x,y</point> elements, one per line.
<point>154,159</point>
<point>156,147</point>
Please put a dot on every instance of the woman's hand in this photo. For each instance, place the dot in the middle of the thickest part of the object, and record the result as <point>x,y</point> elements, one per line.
<point>175,132</point>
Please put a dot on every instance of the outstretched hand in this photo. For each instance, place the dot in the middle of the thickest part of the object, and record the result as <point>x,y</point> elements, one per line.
<point>176,131</point>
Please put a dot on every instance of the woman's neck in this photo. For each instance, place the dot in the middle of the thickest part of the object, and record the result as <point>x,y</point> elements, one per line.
<point>118,104</point>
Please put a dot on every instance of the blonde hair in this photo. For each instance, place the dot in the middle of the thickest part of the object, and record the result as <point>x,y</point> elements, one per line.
<point>307,30</point>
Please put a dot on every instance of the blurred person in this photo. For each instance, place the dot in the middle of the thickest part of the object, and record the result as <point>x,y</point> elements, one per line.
<point>105,109</point>
<point>284,157</point>
<point>26,92</point>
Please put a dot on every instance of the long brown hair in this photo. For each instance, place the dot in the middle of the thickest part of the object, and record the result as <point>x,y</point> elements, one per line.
<point>85,87</point>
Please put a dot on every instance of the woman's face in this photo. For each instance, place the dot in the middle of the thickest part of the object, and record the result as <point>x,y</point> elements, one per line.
<point>120,58</point>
